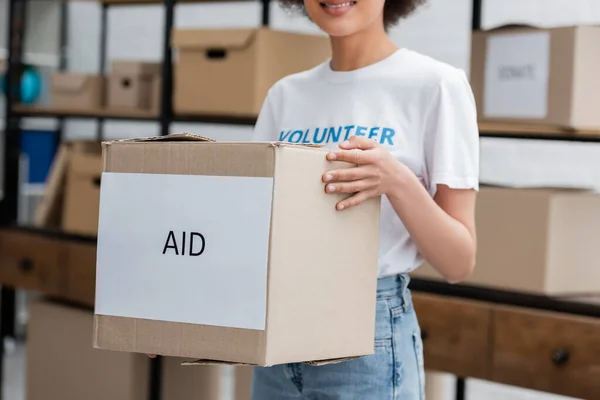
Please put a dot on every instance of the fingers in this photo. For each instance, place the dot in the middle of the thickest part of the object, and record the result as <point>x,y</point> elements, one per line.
<point>358,142</point>
<point>152,355</point>
<point>350,187</point>
<point>355,200</point>
<point>347,174</point>
<point>354,156</point>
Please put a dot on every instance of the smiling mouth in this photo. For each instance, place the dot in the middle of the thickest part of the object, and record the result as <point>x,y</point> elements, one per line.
<point>337,6</point>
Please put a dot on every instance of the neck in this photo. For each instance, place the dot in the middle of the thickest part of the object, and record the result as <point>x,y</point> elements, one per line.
<point>360,49</point>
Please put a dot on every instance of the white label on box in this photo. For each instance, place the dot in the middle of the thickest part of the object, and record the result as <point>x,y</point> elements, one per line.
<point>516,75</point>
<point>184,248</point>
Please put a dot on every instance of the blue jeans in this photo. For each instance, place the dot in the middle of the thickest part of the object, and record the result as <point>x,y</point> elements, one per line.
<point>394,372</point>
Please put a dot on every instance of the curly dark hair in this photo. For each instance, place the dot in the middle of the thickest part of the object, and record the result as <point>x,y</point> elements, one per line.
<point>393,10</point>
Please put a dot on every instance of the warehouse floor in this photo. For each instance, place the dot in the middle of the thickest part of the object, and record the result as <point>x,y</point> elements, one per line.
<point>477,390</point>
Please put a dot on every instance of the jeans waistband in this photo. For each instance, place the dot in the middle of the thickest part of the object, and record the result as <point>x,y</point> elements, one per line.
<point>393,286</point>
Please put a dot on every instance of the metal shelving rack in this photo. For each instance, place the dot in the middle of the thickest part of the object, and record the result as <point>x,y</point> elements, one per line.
<point>15,113</point>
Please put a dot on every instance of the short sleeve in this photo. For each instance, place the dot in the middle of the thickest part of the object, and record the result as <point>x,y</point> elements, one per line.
<point>265,129</point>
<point>451,142</point>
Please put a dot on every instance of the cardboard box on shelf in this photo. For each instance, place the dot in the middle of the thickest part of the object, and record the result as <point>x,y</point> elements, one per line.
<point>540,241</point>
<point>134,85</point>
<point>538,76</point>
<point>61,364</point>
<point>229,71</point>
<point>231,252</point>
<point>82,195</point>
<point>75,91</point>
<point>71,198</point>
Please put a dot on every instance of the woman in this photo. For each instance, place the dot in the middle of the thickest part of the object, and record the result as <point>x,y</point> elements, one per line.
<point>408,122</point>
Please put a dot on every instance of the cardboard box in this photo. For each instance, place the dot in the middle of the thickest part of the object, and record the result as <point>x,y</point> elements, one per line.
<point>231,252</point>
<point>61,365</point>
<point>52,211</point>
<point>134,85</point>
<point>82,195</point>
<point>542,241</point>
<point>229,72</point>
<point>75,91</point>
<point>538,76</point>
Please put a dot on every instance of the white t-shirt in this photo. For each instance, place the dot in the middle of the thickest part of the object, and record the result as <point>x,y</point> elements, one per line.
<point>420,109</point>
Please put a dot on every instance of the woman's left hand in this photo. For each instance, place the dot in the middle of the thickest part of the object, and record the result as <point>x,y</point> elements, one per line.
<point>376,172</point>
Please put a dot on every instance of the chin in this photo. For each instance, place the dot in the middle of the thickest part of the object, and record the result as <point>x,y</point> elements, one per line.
<point>337,18</point>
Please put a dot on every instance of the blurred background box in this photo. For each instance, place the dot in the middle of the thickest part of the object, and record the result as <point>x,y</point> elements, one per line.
<point>541,241</point>
<point>75,91</point>
<point>542,76</point>
<point>82,195</point>
<point>134,85</point>
<point>72,191</point>
<point>229,71</point>
<point>61,364</point>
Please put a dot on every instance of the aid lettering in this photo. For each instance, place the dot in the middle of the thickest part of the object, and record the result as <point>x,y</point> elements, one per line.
<point>201,244</point>
<point>168,245</point>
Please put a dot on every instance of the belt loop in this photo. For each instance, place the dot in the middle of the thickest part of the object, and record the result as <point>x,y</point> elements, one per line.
<point>406,297</point>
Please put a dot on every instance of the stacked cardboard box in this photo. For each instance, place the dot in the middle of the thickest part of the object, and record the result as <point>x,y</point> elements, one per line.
<point>72,194</point>
<point>540,241</point>
<point>217,72</point>
<point>229,72</point>
<point>131,85</point>
<point>61,364</point>
<point>547,77</point>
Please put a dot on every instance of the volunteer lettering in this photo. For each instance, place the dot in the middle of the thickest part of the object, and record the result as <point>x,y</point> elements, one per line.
<point>336,134</point>
<point>171,243</point>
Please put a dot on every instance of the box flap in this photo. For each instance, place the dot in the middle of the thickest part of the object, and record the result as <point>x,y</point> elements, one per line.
<point>174,137</point>
<point>71,83</point>
<point>215,362</point>
<point>213,38</point>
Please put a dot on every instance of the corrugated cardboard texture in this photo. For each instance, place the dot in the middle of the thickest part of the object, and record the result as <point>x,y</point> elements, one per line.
<point>82,197</point>
<point>62,365</point>
<point>234,68</point>
<point>179,340</point>
<point>535,240</point>
<point>226,159</point>
<point>560,88</point>
<point>308,316</point>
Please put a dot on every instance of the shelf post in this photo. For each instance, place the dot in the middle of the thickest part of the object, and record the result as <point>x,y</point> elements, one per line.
<point>266,12</point>
<point>10,191</point>
<point>166,109</point>
<point>102,66</point>
<point>477,8</point>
